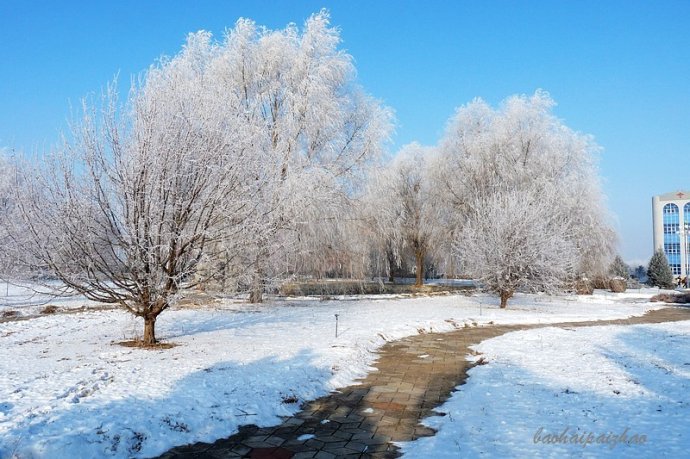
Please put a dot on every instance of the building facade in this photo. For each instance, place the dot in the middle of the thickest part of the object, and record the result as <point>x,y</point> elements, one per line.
<point>671,220</point>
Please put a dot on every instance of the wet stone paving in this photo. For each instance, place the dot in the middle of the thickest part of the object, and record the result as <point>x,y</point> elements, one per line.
<point>412,377</point>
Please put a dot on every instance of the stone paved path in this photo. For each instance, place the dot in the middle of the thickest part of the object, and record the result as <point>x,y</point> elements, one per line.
<point>415,375</point>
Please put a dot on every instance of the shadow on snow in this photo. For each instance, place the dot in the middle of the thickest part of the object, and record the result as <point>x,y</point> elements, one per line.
<point>203,406</point>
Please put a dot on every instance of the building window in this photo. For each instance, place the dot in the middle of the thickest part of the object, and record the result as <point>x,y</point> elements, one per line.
<point>671,209</point>
<point>671,228</point>
<point>671,221</point>
<point>672,248</point>
<point>686,236</point>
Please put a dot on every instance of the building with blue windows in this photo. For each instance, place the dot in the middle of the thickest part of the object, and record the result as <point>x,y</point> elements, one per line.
<point>671,219</point>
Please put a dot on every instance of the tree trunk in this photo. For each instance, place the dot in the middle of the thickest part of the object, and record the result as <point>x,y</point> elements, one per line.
<point>391,266</point>
<point>419,258</point>
<point>505,295</point>
<point>149,330</point>
<point>223,277</point>
<point>256,294</point>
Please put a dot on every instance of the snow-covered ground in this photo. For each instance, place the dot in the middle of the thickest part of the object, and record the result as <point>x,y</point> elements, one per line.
<point>27,299</point>
<point>610,391</point>
<point>69,390</point>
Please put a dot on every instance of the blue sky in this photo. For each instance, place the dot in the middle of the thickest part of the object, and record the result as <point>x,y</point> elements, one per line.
<point>619,70</point>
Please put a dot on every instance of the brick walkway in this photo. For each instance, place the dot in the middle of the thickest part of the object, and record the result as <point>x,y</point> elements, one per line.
<point>415,375</point>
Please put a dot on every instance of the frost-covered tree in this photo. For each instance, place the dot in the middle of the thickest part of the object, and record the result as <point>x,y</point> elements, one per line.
<point>401,208</point>
<point>313,132</point>
<point>9,181</point>
<point>508,243</point>
<point>521,151</point>
<point>619,268</point>
<point>659,272</point>
<point>124,210</point>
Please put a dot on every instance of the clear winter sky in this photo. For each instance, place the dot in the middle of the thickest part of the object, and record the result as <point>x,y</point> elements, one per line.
<point>619,70</point>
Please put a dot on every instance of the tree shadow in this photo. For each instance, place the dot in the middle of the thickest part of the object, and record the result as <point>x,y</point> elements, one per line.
<point>336,425</point>
<point>205,405</point>
<point>212,321</point>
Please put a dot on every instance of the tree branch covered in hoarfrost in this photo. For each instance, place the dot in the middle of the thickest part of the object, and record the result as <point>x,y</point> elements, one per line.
<point>7,183</point>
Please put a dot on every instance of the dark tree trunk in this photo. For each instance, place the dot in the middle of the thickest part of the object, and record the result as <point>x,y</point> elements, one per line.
<point>149,330</point>
<point>390,258</point>
<point>223,276</point>
<point>419,258</point>
<point>256,294</point>
<point>505,295</point>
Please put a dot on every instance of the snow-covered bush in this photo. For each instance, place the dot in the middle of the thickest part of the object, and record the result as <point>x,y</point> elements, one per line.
<point>617,285</point>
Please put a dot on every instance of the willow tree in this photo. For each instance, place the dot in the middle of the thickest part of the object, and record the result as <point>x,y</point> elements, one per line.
<point>313,132</point>
<point>516,178</point>
<point>401,207</point>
